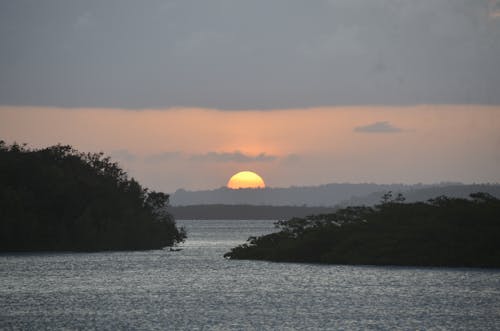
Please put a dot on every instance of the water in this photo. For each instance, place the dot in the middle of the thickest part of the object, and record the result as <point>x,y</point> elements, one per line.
<point>196,289</point>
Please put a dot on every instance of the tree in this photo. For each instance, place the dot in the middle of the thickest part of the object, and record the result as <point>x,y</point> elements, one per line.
<point>386,198</point>
<point>442,232</point>
<point>57,198</point>
<point>400,198</point>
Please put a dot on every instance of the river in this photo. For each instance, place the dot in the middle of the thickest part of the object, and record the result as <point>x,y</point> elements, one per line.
<point>197,289</point>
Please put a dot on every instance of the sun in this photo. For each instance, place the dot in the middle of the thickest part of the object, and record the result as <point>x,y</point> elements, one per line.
<point>246,179</point>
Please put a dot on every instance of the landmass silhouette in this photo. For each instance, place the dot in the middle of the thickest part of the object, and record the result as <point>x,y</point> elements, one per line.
<point>59,199</point>
<point>443,231</point>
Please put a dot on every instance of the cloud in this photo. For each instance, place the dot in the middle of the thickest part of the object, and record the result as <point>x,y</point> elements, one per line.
<point>378,127</point>
<point>494,8</point>
<point>84,20</point>
<point>291,159</point>
<point>495,14</point>
<point>225,55</point>
<point>235,156</point>
<point>161,157</point>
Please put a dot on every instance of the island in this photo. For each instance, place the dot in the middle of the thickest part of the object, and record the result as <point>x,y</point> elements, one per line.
<point>452,232</point>
<point>59,199</point>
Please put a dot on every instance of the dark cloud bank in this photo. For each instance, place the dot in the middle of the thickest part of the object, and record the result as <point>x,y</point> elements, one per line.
<point>248,54</point>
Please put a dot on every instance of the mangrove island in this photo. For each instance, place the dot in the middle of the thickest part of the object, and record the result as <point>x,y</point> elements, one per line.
<point>443,231</point>
<point>59,199</point>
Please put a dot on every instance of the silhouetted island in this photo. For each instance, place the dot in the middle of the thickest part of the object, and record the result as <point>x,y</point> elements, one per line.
<point>57,198</point>
<point>440,232</point>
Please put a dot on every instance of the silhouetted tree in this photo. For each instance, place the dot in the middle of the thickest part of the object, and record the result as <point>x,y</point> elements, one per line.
<point>399,198</point>
<point>57,198</point>
<point>442,232</point>
<point>386,198</point>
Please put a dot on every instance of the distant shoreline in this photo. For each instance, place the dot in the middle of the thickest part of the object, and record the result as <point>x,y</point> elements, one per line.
<point>328,195</point>
<point>244,212</point>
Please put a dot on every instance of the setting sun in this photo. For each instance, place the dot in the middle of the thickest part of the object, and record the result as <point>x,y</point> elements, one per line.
<point>246,179</point>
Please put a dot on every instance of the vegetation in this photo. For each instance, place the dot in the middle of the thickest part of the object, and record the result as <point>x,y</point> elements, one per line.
<point>335,194</point>
<point>57,198</point>
<point>441,232</point>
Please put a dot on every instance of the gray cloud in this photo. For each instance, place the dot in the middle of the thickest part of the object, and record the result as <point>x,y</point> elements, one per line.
<point>291,159</point>
<point>378,127</point>
<point>236,156</point>
<point>84,21</point>
<point>494,8</point>
<point>162,157</point>
<point>248,54</point>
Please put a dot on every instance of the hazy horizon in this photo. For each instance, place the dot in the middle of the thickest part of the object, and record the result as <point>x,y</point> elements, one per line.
<point>437,184</point>
<point>202,148</point>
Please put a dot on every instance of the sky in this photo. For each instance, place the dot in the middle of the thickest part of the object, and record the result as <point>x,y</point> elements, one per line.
<point>183,94</point>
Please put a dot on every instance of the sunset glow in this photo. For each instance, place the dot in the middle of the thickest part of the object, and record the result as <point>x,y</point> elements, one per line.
<point>196,148</point>
<point>246,179</point>
<point>199,133</point>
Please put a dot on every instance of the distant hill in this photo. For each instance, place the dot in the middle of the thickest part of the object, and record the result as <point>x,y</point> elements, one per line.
<point>328,195</point>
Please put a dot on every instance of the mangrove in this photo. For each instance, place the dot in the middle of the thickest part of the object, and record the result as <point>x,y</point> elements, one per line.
<point>444,231</point>
<point>60,199</point>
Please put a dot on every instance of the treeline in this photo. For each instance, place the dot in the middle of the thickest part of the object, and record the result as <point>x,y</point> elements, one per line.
<point>323,195</point>
<point>243,212</point>
<point>57,198</point>
<point>329,195</point>
<point>440,232</point>
<point>419,193</point>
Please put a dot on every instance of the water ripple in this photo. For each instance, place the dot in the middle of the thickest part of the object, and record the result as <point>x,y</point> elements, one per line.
<point>196,289</point>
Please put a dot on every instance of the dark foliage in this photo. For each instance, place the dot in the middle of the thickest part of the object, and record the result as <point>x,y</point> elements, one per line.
<point>441,232</point>
<point>57,198</point>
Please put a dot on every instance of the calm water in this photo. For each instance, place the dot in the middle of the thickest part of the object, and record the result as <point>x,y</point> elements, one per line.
<point>196,289</point>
